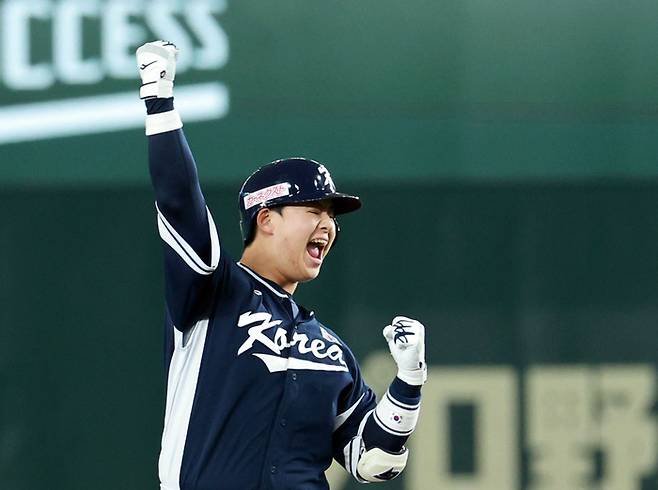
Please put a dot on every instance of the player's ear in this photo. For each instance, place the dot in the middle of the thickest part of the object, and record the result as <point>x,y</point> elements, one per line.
<point>265,221</point>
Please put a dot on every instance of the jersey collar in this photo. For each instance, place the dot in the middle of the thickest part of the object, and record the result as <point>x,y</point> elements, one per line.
<point>271,285</point>
<point>277,290</point>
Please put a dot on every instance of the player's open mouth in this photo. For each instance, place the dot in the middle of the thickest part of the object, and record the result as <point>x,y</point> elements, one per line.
<point>316,248</point>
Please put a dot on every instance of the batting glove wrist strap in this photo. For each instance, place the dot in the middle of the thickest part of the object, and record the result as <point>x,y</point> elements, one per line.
<point>163,122</point>
<point>157,68</point>
<point>415,377</point>
<point>406,341</point>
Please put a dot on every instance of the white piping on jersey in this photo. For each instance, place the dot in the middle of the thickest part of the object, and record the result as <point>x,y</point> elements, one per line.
<point>362,425</point>
<point>184,250</point>
<point>255,276</point>
<point>353,452</point>
<point>354,449</point>
<point>181,386</point>
<point>340,419</point>
<point>277,364</point>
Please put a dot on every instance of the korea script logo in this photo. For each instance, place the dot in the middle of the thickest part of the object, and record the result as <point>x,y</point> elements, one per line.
<point>329,357</point>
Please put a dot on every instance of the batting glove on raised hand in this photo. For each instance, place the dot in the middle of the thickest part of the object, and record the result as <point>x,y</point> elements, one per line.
<point>157,67</point>
<point>406,341</point>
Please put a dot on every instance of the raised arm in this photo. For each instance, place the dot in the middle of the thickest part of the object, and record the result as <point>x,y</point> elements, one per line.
<point>192,253</point>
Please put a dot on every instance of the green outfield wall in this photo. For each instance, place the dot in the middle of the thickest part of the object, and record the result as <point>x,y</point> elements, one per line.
<point>506,155</point>
<point>540,302</point>
<point>381,90</point>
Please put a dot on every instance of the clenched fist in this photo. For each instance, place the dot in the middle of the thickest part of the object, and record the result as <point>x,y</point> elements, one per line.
<point>157,68</point>
<point>406,341</point>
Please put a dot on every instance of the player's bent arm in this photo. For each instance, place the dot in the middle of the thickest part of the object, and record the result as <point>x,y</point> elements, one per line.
<point>376,452</point>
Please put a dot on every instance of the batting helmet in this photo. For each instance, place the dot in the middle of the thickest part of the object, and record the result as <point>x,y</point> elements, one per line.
<point>289,181</point>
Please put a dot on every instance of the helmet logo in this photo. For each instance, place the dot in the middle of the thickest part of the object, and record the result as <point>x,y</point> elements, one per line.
<point>261,196</point>
<point>324,173</point>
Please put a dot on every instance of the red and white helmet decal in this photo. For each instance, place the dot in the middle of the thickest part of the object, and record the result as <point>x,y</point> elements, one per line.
<point>266,194</point>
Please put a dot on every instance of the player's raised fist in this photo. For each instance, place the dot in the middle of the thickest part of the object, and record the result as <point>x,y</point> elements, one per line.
<point>157,68</point>
<point>406,341</point>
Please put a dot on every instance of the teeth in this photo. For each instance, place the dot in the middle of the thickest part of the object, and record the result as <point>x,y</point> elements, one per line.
<point>321,243</point>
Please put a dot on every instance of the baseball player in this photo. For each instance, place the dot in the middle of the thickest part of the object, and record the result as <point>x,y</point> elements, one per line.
<point>260,393</point>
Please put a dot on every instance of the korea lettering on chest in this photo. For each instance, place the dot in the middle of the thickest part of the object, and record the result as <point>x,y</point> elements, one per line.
<point>306,345</point>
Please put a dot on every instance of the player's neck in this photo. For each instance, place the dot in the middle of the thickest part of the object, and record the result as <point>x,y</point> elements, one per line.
<point>261,264</point>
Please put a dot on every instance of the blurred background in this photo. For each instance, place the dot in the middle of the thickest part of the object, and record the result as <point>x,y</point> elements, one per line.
<point>506,156</point>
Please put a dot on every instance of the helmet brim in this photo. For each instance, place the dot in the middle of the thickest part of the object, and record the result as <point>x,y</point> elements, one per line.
<point>340,203</point>
<point>343,203</point>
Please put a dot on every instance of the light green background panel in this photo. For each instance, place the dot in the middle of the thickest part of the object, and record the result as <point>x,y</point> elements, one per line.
<point>376,89</point>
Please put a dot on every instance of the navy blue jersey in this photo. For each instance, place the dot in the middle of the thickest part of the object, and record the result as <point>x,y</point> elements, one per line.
<point>260,394</point>
<point>270,394</point>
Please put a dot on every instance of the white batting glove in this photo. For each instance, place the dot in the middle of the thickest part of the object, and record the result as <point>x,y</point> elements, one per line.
<point>157,67</point>
<point>406,341</point>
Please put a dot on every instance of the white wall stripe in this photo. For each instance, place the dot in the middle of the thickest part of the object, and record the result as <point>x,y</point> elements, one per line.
<point>104,113</point>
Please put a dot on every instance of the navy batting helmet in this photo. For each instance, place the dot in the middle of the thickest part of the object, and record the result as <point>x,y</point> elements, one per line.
<point>289,181</point>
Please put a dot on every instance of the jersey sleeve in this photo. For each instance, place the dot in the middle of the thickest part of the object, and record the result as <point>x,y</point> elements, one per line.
<point>355,405</point>
<point>192,251</point>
